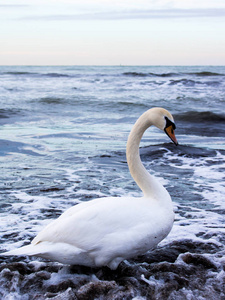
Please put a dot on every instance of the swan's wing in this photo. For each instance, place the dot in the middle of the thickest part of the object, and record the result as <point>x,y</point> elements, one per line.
<point>74,225</point>
<point>86,224</point>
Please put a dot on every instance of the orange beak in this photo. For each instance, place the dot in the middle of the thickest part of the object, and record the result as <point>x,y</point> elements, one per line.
<point>170,132</point>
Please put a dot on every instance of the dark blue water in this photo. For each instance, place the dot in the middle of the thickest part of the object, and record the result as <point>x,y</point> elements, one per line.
<point>63,140</point>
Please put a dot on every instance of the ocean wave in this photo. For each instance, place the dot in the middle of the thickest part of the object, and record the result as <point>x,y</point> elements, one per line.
<point>7,113</point>
<point>51,100</point>
<point>191,82</point>
<point>19,73</point>
<point>131,104</point>
<point>8,147</point>
<point>140,74</point>
<point>172,74</point>
<point>213,83</point>
<point>129,73</point>
<point>135,74</point>
<point>206,73</point>
<point>24,73</point>
<point>186,82</point>
<point>157,151</point>
<point>56,75</point>
<point>200,117</point>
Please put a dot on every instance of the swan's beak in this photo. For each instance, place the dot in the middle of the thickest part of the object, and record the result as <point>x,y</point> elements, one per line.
<point>170,132</point>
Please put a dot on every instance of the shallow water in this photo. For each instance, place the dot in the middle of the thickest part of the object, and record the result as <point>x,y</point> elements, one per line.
<point>63,139</point>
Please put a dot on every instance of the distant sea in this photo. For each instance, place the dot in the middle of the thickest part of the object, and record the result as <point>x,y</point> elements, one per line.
<point>62,141</point>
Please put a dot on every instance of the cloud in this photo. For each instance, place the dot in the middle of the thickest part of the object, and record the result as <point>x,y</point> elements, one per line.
<point>11,6</point>
<point>133,14</point>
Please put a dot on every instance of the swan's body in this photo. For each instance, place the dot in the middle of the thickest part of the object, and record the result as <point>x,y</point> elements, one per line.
<point>105,231</point>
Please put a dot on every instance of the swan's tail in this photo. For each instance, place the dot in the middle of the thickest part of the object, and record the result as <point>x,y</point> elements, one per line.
<point>25,250</point>
<point>60,252</point>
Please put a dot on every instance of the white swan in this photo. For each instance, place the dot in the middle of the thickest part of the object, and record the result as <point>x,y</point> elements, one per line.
<point>106,231</point>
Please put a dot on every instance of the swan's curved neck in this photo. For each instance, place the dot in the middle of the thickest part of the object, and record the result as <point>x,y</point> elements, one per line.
<point>146,182</point>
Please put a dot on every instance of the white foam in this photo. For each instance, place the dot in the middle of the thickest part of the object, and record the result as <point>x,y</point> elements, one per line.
<point>200,222</point>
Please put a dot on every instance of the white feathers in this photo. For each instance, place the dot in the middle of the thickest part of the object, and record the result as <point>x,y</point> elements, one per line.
<point>105,231</point>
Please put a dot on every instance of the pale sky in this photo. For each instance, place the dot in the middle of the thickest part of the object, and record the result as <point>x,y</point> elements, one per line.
<point>112,32</point>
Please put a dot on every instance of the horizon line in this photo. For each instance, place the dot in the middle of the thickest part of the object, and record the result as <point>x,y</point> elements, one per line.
<point>112,65</point>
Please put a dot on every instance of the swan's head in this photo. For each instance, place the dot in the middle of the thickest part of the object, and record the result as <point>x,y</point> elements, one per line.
<point>162,119</point>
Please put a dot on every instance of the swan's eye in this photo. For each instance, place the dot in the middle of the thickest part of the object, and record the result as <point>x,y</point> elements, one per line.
<point>169,123</point>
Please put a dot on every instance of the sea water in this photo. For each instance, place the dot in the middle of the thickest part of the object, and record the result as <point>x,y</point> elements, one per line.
<point>62,141</point>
